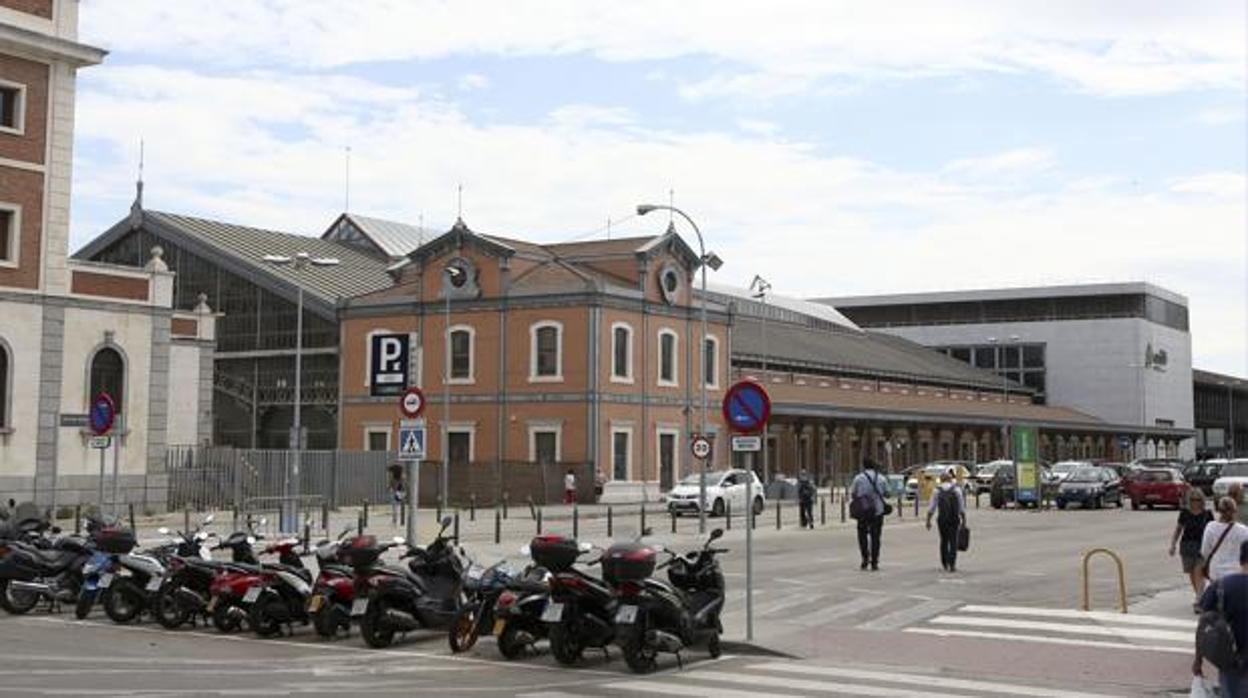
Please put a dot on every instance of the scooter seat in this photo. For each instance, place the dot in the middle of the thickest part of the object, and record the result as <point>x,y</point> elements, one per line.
<point>302,572</point>
<point>528,586</point>
<point>54,560</point>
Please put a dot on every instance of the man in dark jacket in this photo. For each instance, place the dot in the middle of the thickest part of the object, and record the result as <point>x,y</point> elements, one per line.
<point>869,486</point>
<point>1234,592</point>
<point>806,499</point>
<point>949,507</point>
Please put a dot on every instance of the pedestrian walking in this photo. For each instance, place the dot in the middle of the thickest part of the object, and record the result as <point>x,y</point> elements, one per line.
<point>1228,598</point>
<point>1236,492</point>
<point>806,492</point>
<point>1188,535</point>
<point>397,489</point>
<point>948,505</point>
<point>868,507</point>
<point>1221,540</point>
<point>569,487</point>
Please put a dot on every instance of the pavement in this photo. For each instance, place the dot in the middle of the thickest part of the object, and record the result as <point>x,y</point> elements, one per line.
<point>1007,623</point>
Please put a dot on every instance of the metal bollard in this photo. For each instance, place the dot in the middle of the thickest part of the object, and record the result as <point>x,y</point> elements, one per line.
<point>498,527</point>
<point>472,507</point>
<point>77,519</point>
<point>539,521</point>
<point>307,536</point>
<point>532,508</point>
<point>234,520</point>
<point>727,515</point>
<point>457,526</point>
<point>842,510</point>
<point>642,530</point>
<point>186,520</point>
<point>325,516</point>
<point>576,521</point>
<point>133,528</point>
<point>610,522</point>
<point>777,514</point>
<point>438,515</point>
<point>402,515</point>
<point>673,522</point>
<point>365,513</point>
<point>359,524</point>
<point>506,496</point>
<point>823,511</point>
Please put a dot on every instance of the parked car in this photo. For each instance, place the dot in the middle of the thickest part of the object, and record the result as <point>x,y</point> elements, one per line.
<point>961,473</point>
<point>1153,486</point>
<point>1062,469</point>
<point>724,489</point>
<point>1202,474</point>
<point>985,472</point>
<point>896,485</point>
<point>1091,487</point>
<point>1233,471</point>
<point>1001,492</point>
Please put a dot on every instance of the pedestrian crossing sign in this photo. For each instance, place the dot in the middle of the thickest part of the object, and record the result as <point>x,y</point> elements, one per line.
<point>412,440</point>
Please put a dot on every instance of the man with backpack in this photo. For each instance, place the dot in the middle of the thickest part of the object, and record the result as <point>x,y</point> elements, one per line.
<point>806,492</point>
<point>949,506</point>
<point>868,507</point>
<point>1222,636</point>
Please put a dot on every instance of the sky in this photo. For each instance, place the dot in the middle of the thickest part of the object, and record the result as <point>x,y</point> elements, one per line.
<point>834,148</point>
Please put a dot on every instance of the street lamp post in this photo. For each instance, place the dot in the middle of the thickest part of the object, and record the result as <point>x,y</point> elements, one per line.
<point>456,277</point>
<point>1005,394</point>
<point>290,485</point>
<point>1230,418</point>
<point>714,262</point>
<point>761,287</point>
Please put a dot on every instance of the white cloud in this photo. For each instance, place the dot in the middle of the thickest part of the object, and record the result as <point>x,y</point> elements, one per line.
<point>1222,114</point>
<point>473,81</point>
<point>1144,47</point>
<point>266,149</point>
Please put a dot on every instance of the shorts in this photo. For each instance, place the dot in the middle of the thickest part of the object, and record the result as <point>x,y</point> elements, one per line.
<point>1192,560</point>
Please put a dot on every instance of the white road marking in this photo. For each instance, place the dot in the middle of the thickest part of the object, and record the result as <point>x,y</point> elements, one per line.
<point>1120,618</point>
<point>941,632</point>
<point>823,686</point>
<point>671,689</point>
<point>920,680</point>
<point>911,614</point>
<point>840,610</point>
<point>779,605</point>
<point>1068,628</point>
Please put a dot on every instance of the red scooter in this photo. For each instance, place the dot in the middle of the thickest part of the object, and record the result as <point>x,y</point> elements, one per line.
<point>236,586</point>
<point>329,607</point>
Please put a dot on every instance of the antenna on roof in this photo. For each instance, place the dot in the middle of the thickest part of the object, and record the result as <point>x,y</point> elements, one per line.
<point>671,211</point>
<point>346,183</point>
<point>138,184</point>
<point>459,208</point>
<point>608,227</point>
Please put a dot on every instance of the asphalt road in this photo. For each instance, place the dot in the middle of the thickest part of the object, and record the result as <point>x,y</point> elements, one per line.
<point>1005,623</point>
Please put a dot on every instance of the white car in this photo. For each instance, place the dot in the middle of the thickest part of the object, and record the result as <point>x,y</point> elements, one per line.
<point>1062,470</point>
<point>724,489</point>
<point>1234,471</point>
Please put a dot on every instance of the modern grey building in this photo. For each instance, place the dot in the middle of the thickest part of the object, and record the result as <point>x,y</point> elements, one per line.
<point>1121,352</point>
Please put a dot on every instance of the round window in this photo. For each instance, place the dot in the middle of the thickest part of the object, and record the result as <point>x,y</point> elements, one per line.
<point>458,275</point>
<point>670,281</point>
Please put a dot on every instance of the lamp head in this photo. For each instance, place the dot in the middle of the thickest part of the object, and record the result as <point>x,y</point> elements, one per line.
<point>713,261</point>
<point>643,209</point>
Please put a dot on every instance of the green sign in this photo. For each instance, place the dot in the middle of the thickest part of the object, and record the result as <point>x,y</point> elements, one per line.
<point>1026,464</point>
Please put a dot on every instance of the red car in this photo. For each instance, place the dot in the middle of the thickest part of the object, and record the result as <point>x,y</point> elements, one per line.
<point>1152,486</point>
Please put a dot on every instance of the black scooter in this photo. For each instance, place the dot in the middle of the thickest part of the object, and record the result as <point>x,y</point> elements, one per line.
<point>581,607</point>
<point>34,567</point>
<point>656,616</point>
<point>426,594</point>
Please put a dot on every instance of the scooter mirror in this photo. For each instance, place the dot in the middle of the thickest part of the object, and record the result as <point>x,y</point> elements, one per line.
<point>263,521</point>
<point>585,547</point>
<point>717,534</point>
<point>398,540</point>
<point>163,531</point>
<point>525,549</point>
<point>447,521</point>
<point>251,540</point>
<point>209,519</point>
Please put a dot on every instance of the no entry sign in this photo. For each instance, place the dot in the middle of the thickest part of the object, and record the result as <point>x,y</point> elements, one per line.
<point>747,406</point>
<point>103,413</point>
<point>412,403</point>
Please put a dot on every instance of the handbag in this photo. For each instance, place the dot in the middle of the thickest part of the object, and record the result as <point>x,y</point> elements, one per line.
<point>964,538</point>
<point>1205,568</point>
<point>875,485</point>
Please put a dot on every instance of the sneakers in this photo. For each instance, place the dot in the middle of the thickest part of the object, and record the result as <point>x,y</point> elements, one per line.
<point>864,565</point>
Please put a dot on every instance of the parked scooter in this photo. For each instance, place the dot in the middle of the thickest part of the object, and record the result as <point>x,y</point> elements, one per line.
<point>426,594</point>
<point>50,569</point>
<point>656,616</point>
<point>334,591</point>
<point>504,604</point>
<point>582,607</point>
<point>281,598</point>
<point>238,584</point>
<point>184,589</point>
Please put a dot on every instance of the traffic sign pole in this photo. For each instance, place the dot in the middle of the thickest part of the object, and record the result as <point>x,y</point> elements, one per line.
<point>412,405</point>
<point>747,408</point>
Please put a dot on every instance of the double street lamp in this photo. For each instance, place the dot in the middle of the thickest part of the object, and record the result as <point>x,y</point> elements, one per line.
<point>714,262</point>
<point>1005,392</point>
<point>300,263</point>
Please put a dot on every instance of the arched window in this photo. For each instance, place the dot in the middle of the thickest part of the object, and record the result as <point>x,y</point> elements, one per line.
<point>6,388</point>
<point>462,350</point>
<point>108,375</point>
<point>621,353</point>
<point>546,351</point>
<point>667,357</point>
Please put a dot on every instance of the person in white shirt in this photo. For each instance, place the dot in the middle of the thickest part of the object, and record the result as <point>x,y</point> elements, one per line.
<point>1220,545</point>
<point>569,488</point>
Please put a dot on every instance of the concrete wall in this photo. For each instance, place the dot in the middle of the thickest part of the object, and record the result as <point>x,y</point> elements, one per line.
<point>184,388</point>
<point>19,330</point>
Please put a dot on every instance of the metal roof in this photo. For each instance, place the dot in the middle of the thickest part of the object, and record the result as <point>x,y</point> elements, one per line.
<point>747,304</point>
<point>395,239</point>
<point>999,294</point>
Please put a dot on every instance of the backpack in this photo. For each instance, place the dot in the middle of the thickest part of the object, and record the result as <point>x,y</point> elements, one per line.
<point>946,506</point>
<point>1214,638</point>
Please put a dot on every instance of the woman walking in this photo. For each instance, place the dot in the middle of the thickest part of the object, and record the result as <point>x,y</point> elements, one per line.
<point>1187,538</point>
<point>1221,541</point>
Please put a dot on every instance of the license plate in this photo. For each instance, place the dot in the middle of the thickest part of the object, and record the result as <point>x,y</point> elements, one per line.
<point>476,573</point>
<point>153,584</point>
<point>1152,496</point>
<point>626,615</point>
<point>106,580</point>
<point>315,603</point>
<point>212,603</point>
<point>499,626</point>
<point>553,613</point>
<point>252,594</point>
<point>359,606</point>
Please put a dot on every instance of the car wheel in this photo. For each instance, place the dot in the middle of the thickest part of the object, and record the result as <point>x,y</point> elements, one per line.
<point>758,505</point>
<point>1061,504</point>
<point>717,509</point>
<point>1135,506</point>
<point>1150,506</point>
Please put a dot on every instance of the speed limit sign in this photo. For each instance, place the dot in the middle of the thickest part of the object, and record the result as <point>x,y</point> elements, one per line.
<point>701,447</point>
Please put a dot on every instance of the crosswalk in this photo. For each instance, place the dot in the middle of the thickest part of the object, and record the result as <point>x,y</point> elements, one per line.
<point>799,679</point>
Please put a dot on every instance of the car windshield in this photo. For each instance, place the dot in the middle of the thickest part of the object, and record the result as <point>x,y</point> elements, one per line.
<point>1085,475</point>
<point>712,478</point>
<point>1064,467</point>
<point>1235,470</point>
<point>1155,476</point>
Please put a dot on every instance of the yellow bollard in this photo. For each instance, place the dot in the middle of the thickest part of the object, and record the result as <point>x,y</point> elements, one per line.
<point>1122,578</point>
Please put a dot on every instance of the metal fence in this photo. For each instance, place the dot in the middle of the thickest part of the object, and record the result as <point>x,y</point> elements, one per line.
<point>214,478</point>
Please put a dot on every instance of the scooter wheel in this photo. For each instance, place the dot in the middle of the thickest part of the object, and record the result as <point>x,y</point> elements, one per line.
<point>267,614</point>
<point>509,643</point>
<point>565,644</point>
<point>465,628</point>
<point>123,603</point>
<point>713,647</point>
<point>82,609</point>
<point>168,611</point>
<point>639,656</point>
<point>17,602</point>
<point>325,621</point>
<point>222,620</point>
<point>373,626</point>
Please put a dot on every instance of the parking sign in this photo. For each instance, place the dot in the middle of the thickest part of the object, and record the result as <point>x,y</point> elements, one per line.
<point>388,354</point>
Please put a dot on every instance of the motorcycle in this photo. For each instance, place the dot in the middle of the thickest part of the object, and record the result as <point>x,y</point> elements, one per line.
<point>183,591</point>
<point>654,616</point>
<point>426,594</point>
<point>581,609</point>
<point>32,570</point>
<point>237,584</point>
<point>504,604</point>
<point>334,591</point>
<point>281,598</point>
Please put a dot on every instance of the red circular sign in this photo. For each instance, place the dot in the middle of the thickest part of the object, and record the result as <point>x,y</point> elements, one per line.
<point>102,414</point>
<point>412,403</point>
<point>747,406</point>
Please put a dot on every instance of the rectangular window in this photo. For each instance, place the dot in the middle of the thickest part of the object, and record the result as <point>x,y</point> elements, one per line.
<point>547,352</point>
<point>667,459</point>
<point>546,447</point>
<point>8,236</point>
<point>378,440</point>
<point>1033,356</point>
<point>961,354</point>
<point>667,358</point>
<point>619,455</point>
<point>708,361</point>
<point>11,107</point>
<point>460,448</point>
<point>461,355</point>
<point>986,357</point>
<point>1011,356</point>
<point>621,338</point>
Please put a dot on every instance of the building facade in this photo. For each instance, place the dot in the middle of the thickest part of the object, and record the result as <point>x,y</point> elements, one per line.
<point>1221,415</point>
<point>1119,352</point>
<point>70,329</point>
<point>582,353</point>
